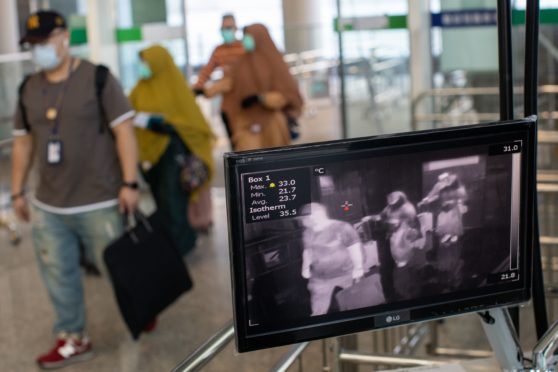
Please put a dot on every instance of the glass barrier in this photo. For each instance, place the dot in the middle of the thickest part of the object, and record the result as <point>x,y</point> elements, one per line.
<point>376,68</point>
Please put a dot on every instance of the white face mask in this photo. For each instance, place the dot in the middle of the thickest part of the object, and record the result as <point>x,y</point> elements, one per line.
<point>45,56</point>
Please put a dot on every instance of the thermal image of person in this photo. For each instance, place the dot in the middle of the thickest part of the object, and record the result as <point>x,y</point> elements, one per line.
<point>449,231</point>
<point>404,238</point>
<point>434,194</point>
<point>332,255</point>
<point>453,197</point>
<point>401,216</point>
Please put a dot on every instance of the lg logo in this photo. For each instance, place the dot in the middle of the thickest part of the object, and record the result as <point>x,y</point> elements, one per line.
<point>391,319</point>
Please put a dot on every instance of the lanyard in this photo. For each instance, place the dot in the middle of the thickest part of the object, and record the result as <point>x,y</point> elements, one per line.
<point>52,111</point>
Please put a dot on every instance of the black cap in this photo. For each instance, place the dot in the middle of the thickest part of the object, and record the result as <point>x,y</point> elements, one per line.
<point>39,26</point>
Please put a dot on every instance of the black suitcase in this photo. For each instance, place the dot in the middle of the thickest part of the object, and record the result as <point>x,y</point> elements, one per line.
<point>366,292</point>
<point>147,272</point>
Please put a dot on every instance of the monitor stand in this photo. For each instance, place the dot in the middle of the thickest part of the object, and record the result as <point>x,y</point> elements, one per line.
<point>502,337</point>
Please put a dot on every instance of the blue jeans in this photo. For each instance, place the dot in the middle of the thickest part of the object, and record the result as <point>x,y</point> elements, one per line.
<point>57,239</point>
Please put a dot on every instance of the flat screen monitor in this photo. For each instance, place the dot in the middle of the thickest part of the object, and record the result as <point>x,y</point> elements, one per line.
<point>340,237</point>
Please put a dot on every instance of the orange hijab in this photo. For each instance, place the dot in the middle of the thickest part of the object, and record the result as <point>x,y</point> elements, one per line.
<point>259,72</point>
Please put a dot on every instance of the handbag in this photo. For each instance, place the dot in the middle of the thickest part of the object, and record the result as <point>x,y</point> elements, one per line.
<point>193,172</point>
<point>364,293</point>
<point>147,272</point>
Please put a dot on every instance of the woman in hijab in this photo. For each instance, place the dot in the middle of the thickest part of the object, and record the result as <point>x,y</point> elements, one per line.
<point>170,127</point>
<point>263,94</point>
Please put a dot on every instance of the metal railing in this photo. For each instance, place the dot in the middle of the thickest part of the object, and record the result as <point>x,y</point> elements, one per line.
<point>293,355</point>
<point>354,357</point>
<point>200,357</point>
<point>15,57</point>
<point>208,350</point>
<point>396,351</point>
<point>437,118</point>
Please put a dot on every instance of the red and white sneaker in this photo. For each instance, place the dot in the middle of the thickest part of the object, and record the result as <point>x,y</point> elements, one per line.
<point>68,350</point>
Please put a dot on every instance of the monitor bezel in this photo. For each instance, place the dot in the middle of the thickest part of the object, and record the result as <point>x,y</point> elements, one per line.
<point>245,342</point>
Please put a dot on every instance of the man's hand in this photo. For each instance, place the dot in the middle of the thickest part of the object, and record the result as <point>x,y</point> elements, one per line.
<point>358,273</point>
<point>306,272</point>
<point>21,209</point>
<point>219,87</point>
<point>413,235</point>
<point>273,100</point>
<point>128,200</point>
<point>126,147</point>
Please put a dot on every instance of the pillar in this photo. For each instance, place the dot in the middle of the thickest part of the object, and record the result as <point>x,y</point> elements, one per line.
<point>307,24</point>
<point>473,49</point>
<point>101,35</point>
<point>9,33</point>
<point>418,22</point>
<point>10,72</point>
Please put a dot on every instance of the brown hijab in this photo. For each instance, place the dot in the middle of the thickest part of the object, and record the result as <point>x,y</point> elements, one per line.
<point>259,72</point>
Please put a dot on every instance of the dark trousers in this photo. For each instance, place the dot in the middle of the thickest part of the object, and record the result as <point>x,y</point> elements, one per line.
<point>227,123</point>
<point>171,199</point>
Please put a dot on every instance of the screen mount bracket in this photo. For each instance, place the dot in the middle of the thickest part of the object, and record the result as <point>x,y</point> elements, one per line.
<point>501,335</point>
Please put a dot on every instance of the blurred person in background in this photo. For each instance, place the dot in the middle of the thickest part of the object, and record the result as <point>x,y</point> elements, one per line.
<point>83,144</point>
<point>173,138</point>
<point>223,57</point>
<point>264,95</point>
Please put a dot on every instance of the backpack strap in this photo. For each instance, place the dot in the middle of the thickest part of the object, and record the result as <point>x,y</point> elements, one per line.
<point>22,108</point>
<point>101,76</point>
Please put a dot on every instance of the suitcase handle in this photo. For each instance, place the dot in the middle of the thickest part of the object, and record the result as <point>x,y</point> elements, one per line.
<point>139,217</point>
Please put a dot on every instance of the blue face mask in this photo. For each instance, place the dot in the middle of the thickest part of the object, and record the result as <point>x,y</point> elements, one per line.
<point>45,56</point>
<point>144,71</point>
<point>228,35</point>
<point>249,43</point>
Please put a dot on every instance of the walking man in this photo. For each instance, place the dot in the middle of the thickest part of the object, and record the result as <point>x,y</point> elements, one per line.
<point>75,123</point>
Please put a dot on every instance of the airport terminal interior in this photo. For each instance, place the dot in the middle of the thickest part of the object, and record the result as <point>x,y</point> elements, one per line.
<point>362,68</point>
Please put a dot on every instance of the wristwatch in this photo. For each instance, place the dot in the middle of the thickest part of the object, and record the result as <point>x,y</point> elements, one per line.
<point>18,195</point>
<point>131,185</point>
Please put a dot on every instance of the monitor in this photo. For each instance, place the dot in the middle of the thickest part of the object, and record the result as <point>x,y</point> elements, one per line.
<point>344,236</point>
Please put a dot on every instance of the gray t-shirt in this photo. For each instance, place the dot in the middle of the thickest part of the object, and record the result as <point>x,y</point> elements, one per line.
<point>89,176</point>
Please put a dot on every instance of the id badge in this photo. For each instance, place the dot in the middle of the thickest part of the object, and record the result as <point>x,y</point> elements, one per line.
<point>54,152</point>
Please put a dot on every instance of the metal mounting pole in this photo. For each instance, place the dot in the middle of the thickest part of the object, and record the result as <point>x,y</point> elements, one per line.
<point>530,101</point>
<point>503,339</point>
<point>341,72</point>
<point>505,59</point>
